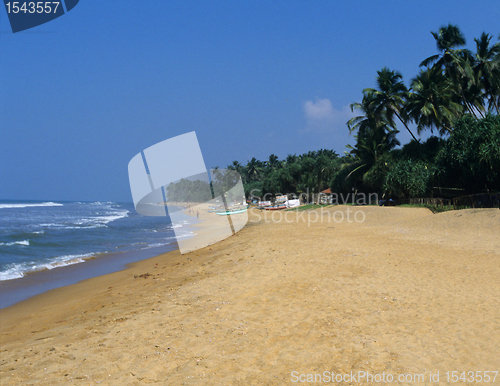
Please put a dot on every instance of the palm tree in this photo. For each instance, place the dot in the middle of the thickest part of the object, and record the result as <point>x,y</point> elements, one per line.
<point>447,39</point>
<point>291,158</point>
<point>328,153</point>
<point>375,134</point>
<point>272,162</point>
<point>456,64</point>
<point>323,170</point>
<point>236,166</point>
<point>390,97</point>
<point>487,68</point>
<point>431,101</point>
<point>373,144</point>
<point>254,169</point>
<point>370,119</point>
<point>370,147</point>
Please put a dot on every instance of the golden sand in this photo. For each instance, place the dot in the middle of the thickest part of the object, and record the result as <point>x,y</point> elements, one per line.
<point>404,292</point>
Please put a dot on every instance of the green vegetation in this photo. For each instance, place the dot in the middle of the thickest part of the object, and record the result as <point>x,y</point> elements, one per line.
<point>456,93</point>
<point>432,208</point>
<point>306,207</point>
<point>198,189</point>
<point>297,173</point>
<point>188,191</point>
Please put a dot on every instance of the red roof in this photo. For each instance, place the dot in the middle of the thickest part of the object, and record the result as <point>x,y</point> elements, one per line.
<point>327,191</point>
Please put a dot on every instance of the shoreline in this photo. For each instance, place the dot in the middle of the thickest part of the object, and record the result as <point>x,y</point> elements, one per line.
<point>37,282</point>
<point>407,291</point>
<point>34,283</point>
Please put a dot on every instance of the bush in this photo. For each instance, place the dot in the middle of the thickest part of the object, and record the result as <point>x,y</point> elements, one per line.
<point>471,157</point>
<point>408,178</point>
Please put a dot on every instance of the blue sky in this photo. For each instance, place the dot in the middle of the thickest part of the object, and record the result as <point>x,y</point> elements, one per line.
<point>82,94</point>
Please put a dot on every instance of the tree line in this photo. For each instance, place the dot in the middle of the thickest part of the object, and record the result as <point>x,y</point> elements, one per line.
<point>456,94</point>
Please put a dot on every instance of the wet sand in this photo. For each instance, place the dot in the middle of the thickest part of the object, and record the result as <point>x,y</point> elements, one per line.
<point>403,292</point>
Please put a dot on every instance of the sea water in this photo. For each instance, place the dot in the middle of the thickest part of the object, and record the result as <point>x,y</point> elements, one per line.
<point>44,235</point>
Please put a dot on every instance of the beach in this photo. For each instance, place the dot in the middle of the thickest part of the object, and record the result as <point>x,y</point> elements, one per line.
<point>389,290</point>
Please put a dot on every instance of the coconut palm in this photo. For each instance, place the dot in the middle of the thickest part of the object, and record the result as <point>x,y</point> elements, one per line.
<point>457,66</point>
<point>390,97</point>
<point>448,38</point>
<point>370,119</point>
<point>487,68</point>
<point>469,89</point>
<point>431,102</point>
<point>236,166</point>
<point>370,145</point>
<point>272,162</point>
<point>254,169</point>
<point>375,134</point>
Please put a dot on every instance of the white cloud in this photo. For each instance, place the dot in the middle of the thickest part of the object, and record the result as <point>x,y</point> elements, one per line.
<point>322,116</point>
<point>321,110</point>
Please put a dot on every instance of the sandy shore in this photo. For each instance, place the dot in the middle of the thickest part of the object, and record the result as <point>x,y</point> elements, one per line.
<point>403,292</point>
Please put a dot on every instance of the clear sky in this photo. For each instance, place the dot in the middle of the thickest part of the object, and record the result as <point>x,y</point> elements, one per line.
<point>82,94</point>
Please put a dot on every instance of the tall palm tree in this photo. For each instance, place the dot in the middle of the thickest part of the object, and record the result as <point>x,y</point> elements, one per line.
<point>375,134</point>
<point>456,64</point>
<point>390,97</point>
<point>469,90</point>
<point>370,119</point>
<point>448,38</point>
<point>431,101</point>
<point>487,68</point>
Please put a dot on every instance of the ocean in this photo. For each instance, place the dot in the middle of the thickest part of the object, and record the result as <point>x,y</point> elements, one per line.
<point>38,236</point>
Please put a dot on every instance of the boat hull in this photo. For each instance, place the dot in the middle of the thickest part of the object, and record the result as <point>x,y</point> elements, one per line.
<point>231,212</point>
<point>275,208</point>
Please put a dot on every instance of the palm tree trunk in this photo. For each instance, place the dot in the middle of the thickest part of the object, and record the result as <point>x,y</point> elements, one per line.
<point>404,123</point>
<point>448,128</point>
<point>467,104</point>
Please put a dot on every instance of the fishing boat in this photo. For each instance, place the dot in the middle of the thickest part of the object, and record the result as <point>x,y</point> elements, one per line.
<point>275,207</point>
<point>232,211</point>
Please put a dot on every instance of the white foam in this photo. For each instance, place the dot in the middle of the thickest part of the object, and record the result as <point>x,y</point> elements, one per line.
<point>16,271</point>
<point>10,206</point>
<point>101,221</point>
<point>113,217</point>
<point>61,261</point>
<point>23,242</point>
<point>89,222</point>
<point>103,203</point>
<point>168,241</point>
<point>155,245</point>
<point>11,273</point>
